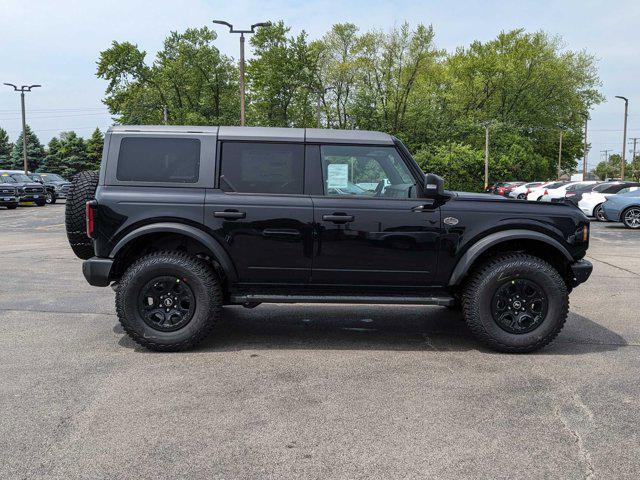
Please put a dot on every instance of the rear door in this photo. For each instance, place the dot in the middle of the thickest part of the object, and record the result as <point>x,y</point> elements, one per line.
<point>259,212</point>
<point>371,228</point>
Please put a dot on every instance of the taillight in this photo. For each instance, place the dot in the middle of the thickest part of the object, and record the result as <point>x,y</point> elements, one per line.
<point>89,216</point>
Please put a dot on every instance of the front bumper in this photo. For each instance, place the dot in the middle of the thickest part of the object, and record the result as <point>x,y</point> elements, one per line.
<point>97,270</point>
<point>580,272</point>
<point>8,199</point>
<point>32,197</point>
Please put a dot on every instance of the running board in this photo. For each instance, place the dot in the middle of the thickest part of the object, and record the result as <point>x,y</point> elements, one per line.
<point>253,300</point>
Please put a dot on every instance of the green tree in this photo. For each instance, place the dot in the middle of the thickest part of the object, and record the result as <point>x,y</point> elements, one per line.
<point>73,154</point>
<point>461,166</point>
<point>94,146</point>
<point>281,77</point>
<point>35,151</point>
<point>5,150</point>
<point>52,161</point>
<point>189,77</point>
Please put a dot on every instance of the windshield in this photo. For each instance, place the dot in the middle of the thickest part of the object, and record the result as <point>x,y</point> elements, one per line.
<point>7,179</point>
<point>21,177</point>
<point>602,186</point>
<point>51,177</point>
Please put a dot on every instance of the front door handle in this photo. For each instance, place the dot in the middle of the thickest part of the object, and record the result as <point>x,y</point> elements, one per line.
<point>338,218</point>
<point>230,214</point>
<point>281,233</point>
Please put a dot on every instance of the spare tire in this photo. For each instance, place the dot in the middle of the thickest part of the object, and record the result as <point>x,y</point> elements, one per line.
<point>82,190</point>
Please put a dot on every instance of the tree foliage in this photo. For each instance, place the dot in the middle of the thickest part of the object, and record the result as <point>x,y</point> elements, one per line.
<point>5,150</point>
<point>35,151</point>
<point>526,84</point>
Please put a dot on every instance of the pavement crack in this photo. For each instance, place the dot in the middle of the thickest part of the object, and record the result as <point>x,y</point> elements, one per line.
<point>583,452</point>
<point>614,266</point>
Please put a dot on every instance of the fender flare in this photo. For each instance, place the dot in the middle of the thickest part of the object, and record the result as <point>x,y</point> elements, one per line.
<point>482,245</point>
<point>187,230</point>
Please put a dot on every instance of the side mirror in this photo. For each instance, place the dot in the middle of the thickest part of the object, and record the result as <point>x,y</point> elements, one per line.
<point>433,185</point>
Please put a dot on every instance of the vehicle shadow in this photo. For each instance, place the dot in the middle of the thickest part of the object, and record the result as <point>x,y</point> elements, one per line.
<point>405,328</point>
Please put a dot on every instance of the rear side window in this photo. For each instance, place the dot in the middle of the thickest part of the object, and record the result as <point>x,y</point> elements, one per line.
<point>251,167</point>
<point>174,160</point>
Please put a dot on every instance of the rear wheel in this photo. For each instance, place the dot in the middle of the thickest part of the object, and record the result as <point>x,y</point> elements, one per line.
<point>598,213</point>
<point>631,217</point>
<point>169,301</point>
<point>515,303</point>
<point>522,196</point>
<point>82,190</point>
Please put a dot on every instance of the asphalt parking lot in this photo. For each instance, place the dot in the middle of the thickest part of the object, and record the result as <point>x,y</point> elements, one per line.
<point>309,391</point>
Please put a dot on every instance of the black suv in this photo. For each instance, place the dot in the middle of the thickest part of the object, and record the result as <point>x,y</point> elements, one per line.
<point>56,186</point>
<point>28,190</point>
<point>184,220</point>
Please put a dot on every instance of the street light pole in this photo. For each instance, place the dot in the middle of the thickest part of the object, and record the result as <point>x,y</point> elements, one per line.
<point>559,154</point>
<point>586,148</point>
<point>487,125</point>
<point>633,156</point>
<point>22,89</point>
<point>624,135</point>
<point>242,32</point>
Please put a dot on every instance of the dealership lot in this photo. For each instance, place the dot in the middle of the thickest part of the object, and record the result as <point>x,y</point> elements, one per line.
<point>309,391</point>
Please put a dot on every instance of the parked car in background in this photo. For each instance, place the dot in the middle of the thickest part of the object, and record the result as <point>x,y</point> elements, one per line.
<point>28,190</point>
<point>492,186</point>
<point>8,193</point>
<point>536,194</point>
<point>624,207</point>
<point>56,186</point>
<point>505,189</point>
<point>521,191</point>
<point>558,194</point>
<point>575,195</point>
<point>591,202</point>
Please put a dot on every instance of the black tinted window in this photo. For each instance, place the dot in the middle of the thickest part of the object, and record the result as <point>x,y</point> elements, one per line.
<point>262,167</point>
<point>159,160</point>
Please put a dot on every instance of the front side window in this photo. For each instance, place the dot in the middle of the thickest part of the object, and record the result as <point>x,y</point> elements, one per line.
<point>369,171</point>
<point>252,167</point>
<point>146,159</point>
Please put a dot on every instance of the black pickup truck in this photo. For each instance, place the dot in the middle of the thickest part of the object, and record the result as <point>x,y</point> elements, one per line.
<point>184,220</point>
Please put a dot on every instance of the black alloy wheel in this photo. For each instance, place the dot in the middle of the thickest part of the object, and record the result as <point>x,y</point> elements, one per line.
<point>166,303</point>
<point>519,306</point>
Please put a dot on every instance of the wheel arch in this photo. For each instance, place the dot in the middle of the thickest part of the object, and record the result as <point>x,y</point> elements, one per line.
<point>530,241</point>
<point>163,234</point>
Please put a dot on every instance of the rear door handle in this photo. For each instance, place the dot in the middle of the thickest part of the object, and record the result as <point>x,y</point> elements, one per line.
<point>338,218</point>
<point>230,214</point>
<point>283,232</point>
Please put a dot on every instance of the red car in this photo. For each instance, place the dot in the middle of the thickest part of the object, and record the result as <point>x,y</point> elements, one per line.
<point>505,188</point>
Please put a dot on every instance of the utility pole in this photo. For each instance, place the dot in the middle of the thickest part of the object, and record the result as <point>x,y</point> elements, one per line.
<point>22,89</point>
<point>559,154</point>
<point>321,94</point>
<point>633,156</point>
<point>165,115</point>
<point>606,159</point>
<point>624,135</point>
<point>242,32</point>
<point>586,148</point>
<point>486,125</point>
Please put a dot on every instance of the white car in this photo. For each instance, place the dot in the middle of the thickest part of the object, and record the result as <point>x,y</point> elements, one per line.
<point>522,191</point>
<point>537,193</point>
<point>556,194</point>
<point>591,203</point>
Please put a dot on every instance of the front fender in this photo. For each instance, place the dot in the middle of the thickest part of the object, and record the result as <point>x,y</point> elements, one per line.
<point>482,245</point>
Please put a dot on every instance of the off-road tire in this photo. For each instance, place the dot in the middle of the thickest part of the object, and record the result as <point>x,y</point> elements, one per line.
<point>196,273</point>
<point>489,276</point>
<point>83,189</point>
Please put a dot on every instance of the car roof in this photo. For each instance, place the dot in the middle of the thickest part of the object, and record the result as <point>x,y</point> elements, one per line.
<point>273,134</point>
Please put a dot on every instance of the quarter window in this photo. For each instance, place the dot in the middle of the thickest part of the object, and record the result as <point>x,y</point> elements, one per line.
<point>144,159</point>
<point>251,167</point>
<point>365,171</point>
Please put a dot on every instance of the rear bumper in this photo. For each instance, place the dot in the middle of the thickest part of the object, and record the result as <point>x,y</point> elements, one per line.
<point>580,272</point>
<point>97,271</point>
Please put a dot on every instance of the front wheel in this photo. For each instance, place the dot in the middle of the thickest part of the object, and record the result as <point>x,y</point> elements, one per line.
<point>598,213</point>
<point>169,301</point>
<point>51,198</point>
<point>515,303</point>
<point>41,203</point>
<point>631,218</point>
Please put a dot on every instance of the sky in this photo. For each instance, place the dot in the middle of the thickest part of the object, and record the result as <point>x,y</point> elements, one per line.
<point>57,43</point>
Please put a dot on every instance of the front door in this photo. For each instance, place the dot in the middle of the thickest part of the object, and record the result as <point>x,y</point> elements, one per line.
<point>371,228</point>
<point>259,212</point>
